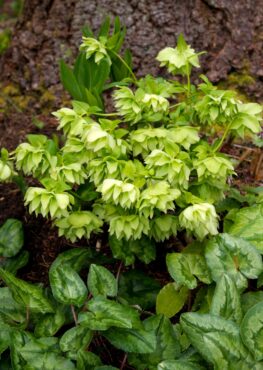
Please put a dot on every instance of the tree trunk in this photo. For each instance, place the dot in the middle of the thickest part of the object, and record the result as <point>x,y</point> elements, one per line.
<point>231,32</point>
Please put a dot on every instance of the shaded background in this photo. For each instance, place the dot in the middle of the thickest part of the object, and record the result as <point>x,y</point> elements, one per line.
<point>230,31</point>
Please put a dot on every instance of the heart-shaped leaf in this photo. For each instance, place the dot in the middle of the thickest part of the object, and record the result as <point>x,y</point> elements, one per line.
<point>101,281</point>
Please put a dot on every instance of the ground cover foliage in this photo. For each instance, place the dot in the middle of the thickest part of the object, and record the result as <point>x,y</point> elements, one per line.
<point>143,172</point>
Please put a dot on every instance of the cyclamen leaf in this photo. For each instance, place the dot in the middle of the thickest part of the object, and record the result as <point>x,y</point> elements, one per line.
<point>186,266</point>
<point>28,353</point>
<point>11,310</point>
<point>234,256</point>
<point>104,313</point>
<point>87,360</point>
<point>76,258</point>
<point>171,299</point>
<point>5,331</point>
<point>101,281</point>
<point>132,340</point>
<point>27,294</point>
<point>15,263</point>
<point>179,365</point>
<point>226,300</point>
<point>75,339</point>
<point>48,325</point>
<point>137,288</point>
<point>215,338</point>
<point>167,346</point>
<point>247,223</point>
<point>252,330</point>
<point>249,299</point>
<point>11,238</point>
<point>67,286</point>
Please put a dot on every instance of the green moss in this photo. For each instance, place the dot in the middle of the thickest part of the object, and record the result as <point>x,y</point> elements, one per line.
<point>5,38</point>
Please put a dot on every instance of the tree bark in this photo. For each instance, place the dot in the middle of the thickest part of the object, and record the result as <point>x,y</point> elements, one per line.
<point>231,32</point>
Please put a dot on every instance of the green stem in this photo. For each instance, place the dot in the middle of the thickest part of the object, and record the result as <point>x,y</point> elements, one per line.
<point>219,145</point>
<point>188,81</point>
<point>105,114</point>
<point>126,65</point>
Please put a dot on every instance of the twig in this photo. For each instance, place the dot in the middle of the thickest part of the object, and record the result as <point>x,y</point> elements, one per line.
<point>123,362</point>
<point>119,271</point>
<point>74,314</point>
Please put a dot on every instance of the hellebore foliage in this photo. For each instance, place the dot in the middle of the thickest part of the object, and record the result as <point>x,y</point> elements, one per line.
<point>142,173</point>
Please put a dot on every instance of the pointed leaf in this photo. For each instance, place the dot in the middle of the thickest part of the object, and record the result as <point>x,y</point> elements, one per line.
<point>171,299</point>
<point>104,313</point>
<point>131,340</point>
<point>226,300</point>
<point>101,281</point>
<point>29,295</point>
<point>252,330</point>
<point>234,256</point>
<point>11,238</point>
<point>67,286</point>
<point>215,338</point>
<point>48,325</point>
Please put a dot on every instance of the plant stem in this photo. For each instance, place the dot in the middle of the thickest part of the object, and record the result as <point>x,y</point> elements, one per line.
<point>125,64</point>
<point>219,145</point>
<point>188,81</point>
<point>123,362</point>
<point>74,314</point>
<point>105,114</point>
<point>27,315</point>
<point>119,271</point>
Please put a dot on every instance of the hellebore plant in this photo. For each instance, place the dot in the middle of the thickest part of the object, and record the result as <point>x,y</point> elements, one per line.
<point>142,172</point>
<point>149,162</point>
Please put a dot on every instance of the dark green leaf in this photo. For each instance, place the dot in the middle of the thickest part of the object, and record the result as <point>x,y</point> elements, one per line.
<point>226,300</point>
<point>49,324</point>
<point>67,286</point>
<point>87,360</point>
<point>70,83</point>
<point>252,330</point>
<point>75,339</point>
<point>132,340</point>
<point>104,313</point>
<point>15,263</point>
<point>138,289</point>
<point>11,310</point>
<point>179,365</point>
<point>234,256</point>
<point>171,299</point>
<point>249,299</point>
<point>186,266</point>
<point>247,223</point>
<point>27,294</point>
<point>11,237</point>
<point>215,338</point>
<point>101,281</point>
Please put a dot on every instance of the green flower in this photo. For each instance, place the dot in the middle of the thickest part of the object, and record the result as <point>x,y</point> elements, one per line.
<point>214,167</point>
<point>72,173</point>
<point>247,120</point>
<point>216,107</point>
<point>184,136</point>
<point>163,227</point>
<point>180,59</point>
<point>71,122</point>
<point>34,158</point>
<point>93,47</point>
<point>96,139</point>
<point>129,226</point>
<point>156,102</point>
<point>77,147</point>
<point>158,196</point>
<point>78,224</point>
<point>200,219</point>
<point>119,192</point>
<point>174,170</point>
<point>127,104</point>
<point>6,171</point>
<point>46,202</point>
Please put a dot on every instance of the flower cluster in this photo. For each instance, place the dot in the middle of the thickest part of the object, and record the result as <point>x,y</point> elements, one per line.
<point>200,219</point>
